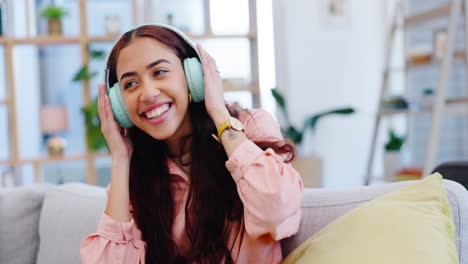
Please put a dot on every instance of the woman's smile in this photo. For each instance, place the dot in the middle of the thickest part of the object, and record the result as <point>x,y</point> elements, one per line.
<point>157,113</point>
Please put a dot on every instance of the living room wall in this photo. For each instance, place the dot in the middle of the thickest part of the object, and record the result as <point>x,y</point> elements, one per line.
<point>320,66</point>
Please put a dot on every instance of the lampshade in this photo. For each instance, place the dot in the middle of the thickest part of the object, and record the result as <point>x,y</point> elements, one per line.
<point>54,119</point>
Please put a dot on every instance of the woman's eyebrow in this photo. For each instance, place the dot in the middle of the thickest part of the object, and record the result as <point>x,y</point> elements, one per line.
<point>149,66</point>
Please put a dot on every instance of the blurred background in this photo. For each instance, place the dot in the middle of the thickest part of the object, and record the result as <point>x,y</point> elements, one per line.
<point>370,91</point>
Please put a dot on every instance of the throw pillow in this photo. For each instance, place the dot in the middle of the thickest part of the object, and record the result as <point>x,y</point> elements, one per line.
<point>411,225</point>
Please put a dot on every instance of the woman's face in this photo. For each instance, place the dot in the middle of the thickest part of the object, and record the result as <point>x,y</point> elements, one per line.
<point>153,85</point>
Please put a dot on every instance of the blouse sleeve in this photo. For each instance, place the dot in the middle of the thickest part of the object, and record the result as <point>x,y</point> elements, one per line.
<point>114,242</point>
<point>270,189</point>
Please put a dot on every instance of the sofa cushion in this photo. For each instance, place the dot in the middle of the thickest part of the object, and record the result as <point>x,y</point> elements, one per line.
<point>70,213</point>
<point>321,206</point>
<point>20,208</point>
<point>411,225</point>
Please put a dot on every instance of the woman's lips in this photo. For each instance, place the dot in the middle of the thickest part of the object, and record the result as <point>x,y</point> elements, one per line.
<point>152,107</point>
<point>157,120</point>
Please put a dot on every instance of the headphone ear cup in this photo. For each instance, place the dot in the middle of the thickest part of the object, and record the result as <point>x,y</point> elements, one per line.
<point>194,75</point>
<point>118,107</point>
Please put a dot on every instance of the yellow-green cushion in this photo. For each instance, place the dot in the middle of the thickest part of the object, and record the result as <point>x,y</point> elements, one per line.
<point>411,225</point>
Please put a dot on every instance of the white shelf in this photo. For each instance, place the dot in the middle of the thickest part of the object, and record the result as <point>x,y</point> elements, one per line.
<point>448,103</point>
<point>82,40</point>
<point>452,11</point>
<point>216,36</point>
<point>428,15</point>
<point>456,101</point>
<point>55,40</point>
<point>109,38</point>
<point>458,56</point>
<point>44,40</point>
<point>397,112</point>
<point>46,159</point>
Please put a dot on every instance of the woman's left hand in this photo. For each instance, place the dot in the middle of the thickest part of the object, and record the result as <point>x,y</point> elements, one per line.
<point>214,94</point>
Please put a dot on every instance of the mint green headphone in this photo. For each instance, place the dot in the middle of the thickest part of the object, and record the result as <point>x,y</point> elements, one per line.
<point>193,74</point>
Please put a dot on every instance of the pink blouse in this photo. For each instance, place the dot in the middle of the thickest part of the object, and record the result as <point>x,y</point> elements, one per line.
<point>270,190</point>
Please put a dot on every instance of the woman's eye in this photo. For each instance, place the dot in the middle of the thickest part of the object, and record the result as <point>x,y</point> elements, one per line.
<point>159,72</point>
<point>129,84</point>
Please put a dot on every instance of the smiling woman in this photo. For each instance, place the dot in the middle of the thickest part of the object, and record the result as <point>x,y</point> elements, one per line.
<point>176,194</point>
<point>153,81</point>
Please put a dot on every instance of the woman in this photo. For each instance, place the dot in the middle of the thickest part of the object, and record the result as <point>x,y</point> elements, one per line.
<point>177,195</point>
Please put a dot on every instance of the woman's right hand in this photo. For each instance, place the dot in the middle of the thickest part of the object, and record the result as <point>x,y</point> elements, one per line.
<point>118,140</point>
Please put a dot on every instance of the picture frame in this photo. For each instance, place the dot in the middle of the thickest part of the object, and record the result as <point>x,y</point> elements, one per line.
<point>112,23</point>
<point>2,18</point>
<point>439,43</point>
<point>336,13</point>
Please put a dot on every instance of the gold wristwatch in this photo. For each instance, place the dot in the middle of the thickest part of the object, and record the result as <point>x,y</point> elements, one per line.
<point>232,123</point>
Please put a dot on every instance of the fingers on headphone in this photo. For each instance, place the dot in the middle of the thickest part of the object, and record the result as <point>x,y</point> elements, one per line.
<point>208,63</point>
<point>100,103</point>
<point>202,53</point>
<point>207,58</point>
<point>204,61</point>
<point>109,116</point>
<point>200,49</point>
<point>103,104</point>
<point>211,63</point>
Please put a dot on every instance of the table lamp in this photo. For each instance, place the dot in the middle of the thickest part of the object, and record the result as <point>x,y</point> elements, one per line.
<point>54,120</point>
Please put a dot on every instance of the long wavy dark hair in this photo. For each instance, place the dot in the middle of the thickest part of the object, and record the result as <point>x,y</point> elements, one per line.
<point>213,201</point>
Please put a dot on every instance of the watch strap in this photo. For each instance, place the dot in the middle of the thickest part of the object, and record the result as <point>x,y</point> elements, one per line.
<point>223,127</point>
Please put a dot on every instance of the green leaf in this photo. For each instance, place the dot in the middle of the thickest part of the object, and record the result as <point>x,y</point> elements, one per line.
<point>84,74</point>
<point>394,142</point>
<point>81,74</point>
<point>343,111</point>
<point>311,121</point>
<point>294,135</point>
<point>96,54</point>
<point>94,138</point>
<point>53,12</point>
<point>279,98</point>
<point>282,104</point>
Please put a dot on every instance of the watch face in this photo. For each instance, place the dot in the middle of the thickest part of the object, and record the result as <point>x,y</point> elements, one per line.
<point>236,124</point>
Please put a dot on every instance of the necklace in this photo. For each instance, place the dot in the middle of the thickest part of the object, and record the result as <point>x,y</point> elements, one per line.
<point>184,162</point>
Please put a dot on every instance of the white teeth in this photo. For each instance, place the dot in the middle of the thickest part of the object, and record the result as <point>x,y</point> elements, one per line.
<point>157,111</point>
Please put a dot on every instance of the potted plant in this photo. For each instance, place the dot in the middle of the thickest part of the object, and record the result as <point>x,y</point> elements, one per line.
<point>95,140</point>
<point>427,98</point>
<point>310,167</point>
<point>392,155</point>
<point>296,135</point>
<point>54,14</point>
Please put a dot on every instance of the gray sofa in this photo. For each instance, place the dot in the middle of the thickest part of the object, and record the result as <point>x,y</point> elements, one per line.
<point>45,224</point>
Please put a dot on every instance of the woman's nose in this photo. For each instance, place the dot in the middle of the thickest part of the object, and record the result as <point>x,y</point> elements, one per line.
<point>149,93</point>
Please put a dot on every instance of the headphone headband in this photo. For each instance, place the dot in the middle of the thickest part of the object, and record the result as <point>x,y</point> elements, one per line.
<point>171,28</point>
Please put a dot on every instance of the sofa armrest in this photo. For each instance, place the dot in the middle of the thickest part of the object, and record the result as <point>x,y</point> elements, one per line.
<point>322,206</point>
<point>69,213</point>
<point>455,171</point>
<point>20,209</point>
